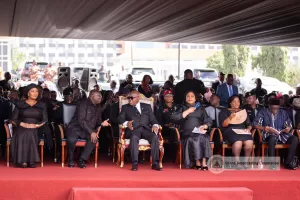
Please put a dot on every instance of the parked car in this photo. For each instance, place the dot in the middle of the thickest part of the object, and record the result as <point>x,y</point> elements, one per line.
<point>268,83</point>
<point>207,76</point>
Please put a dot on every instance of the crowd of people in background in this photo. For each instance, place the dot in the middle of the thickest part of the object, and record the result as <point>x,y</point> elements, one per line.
<point>186,105</point>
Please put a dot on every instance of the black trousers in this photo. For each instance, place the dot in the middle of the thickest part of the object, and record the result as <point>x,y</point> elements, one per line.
<point>152,138</point>
<point>292,141</point>
<point>71,145</point>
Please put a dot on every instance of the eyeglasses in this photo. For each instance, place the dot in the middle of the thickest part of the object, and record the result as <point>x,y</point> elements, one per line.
<point>131,98</point>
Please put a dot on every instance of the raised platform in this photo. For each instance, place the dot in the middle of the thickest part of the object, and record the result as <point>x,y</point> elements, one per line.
<point>54,182</point>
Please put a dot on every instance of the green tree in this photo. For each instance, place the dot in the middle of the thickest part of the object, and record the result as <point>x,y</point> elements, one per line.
<point>216,61</point>
<point>18,58</point>
<point>272,62</point>
<point>236,58</point>
<point>292,74</point>
<point>232,59</point>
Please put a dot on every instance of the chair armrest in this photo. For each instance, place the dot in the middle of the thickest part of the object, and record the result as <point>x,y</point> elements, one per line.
<point>160,137</point>
<point>61,130</point>
<point>259,134</point>
<point>213,132</point>
<point>98,130</point>
<point>178,134</point>
<point>6,129</point>
<point>122,134</point>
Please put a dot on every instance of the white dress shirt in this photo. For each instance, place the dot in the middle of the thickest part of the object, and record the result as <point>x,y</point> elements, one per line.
<point>138,107</point>
<point>228,88</point>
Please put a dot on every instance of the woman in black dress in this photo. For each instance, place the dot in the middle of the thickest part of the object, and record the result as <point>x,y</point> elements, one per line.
<point>28,116</point>
<point>237,140</point>
<point>196,146</point>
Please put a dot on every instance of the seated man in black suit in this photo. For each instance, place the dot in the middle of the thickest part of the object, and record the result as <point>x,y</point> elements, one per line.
<point>141,123</point>
<point>87,118</point>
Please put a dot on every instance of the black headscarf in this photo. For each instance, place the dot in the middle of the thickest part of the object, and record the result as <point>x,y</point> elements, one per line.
<point>28,88</point>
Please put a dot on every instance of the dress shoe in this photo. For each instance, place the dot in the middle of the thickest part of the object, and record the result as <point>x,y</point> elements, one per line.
<point>81,163</point>
<point>134,167</point>
<point>290,167</point>
<point>204,168</point>
<point>31,165</point>
<point>198,167</point>
<point>24,165</point>
<point>156,167</point>
<point>71,164</point>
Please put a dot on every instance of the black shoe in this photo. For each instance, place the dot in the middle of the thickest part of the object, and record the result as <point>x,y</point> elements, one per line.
<point>204,168</point>
<point>31,165</point>
<point>198,167</point>
<point>156,167</point>
<point>71,164</point>
<point>24,165</point>
<point>134,167</point>
<point>81,163</point>
<point>289,166</point>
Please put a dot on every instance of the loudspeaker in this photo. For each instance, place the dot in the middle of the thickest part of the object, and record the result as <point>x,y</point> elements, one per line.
<point>88,79</point>
<point>64,78</point>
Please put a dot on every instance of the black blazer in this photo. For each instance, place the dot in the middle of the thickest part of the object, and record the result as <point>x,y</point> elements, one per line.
<point>215,85</point>
<point>146,119</point>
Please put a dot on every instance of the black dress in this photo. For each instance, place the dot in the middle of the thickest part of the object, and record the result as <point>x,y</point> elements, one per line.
<point>195,146</point>
<point>228,134</point>
<point>25,141</point>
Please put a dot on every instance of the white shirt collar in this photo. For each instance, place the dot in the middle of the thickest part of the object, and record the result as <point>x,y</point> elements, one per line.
<point>138,106</point>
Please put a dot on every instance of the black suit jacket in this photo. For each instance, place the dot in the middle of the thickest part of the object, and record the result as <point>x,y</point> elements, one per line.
<point>146,119</point>
<point>215,85</point>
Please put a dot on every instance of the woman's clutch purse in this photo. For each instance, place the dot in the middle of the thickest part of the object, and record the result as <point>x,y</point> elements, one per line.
<point>240,117</point>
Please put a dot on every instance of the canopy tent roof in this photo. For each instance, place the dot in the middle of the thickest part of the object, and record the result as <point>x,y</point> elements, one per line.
<point>256,22</point>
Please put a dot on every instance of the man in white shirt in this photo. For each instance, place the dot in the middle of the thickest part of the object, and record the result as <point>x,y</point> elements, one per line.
<point>214,109</point>
<point>140,123</point>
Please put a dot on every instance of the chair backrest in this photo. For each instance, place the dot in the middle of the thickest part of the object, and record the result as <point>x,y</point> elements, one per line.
<point>68,113</point>
<point>143,99</point>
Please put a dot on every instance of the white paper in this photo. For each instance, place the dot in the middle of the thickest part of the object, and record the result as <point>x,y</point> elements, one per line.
<point>241,131</point>
<point>197,130</point>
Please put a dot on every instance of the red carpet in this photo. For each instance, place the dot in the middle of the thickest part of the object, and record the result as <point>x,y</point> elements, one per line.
<point>161,193</point>
<point>54,182</point>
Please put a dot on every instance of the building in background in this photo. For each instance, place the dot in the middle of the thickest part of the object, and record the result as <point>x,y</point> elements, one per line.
<point>5,54</point>
<point>162,57</point>
<point>69,51</point>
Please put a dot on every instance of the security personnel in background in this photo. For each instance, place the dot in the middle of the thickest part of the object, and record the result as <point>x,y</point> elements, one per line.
<point>252,107</point>
<point>58,118</point>
<point>163,114</point>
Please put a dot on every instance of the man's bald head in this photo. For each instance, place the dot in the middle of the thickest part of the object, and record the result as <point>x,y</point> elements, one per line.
<point>95,96</point>
<point>134,97</point>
